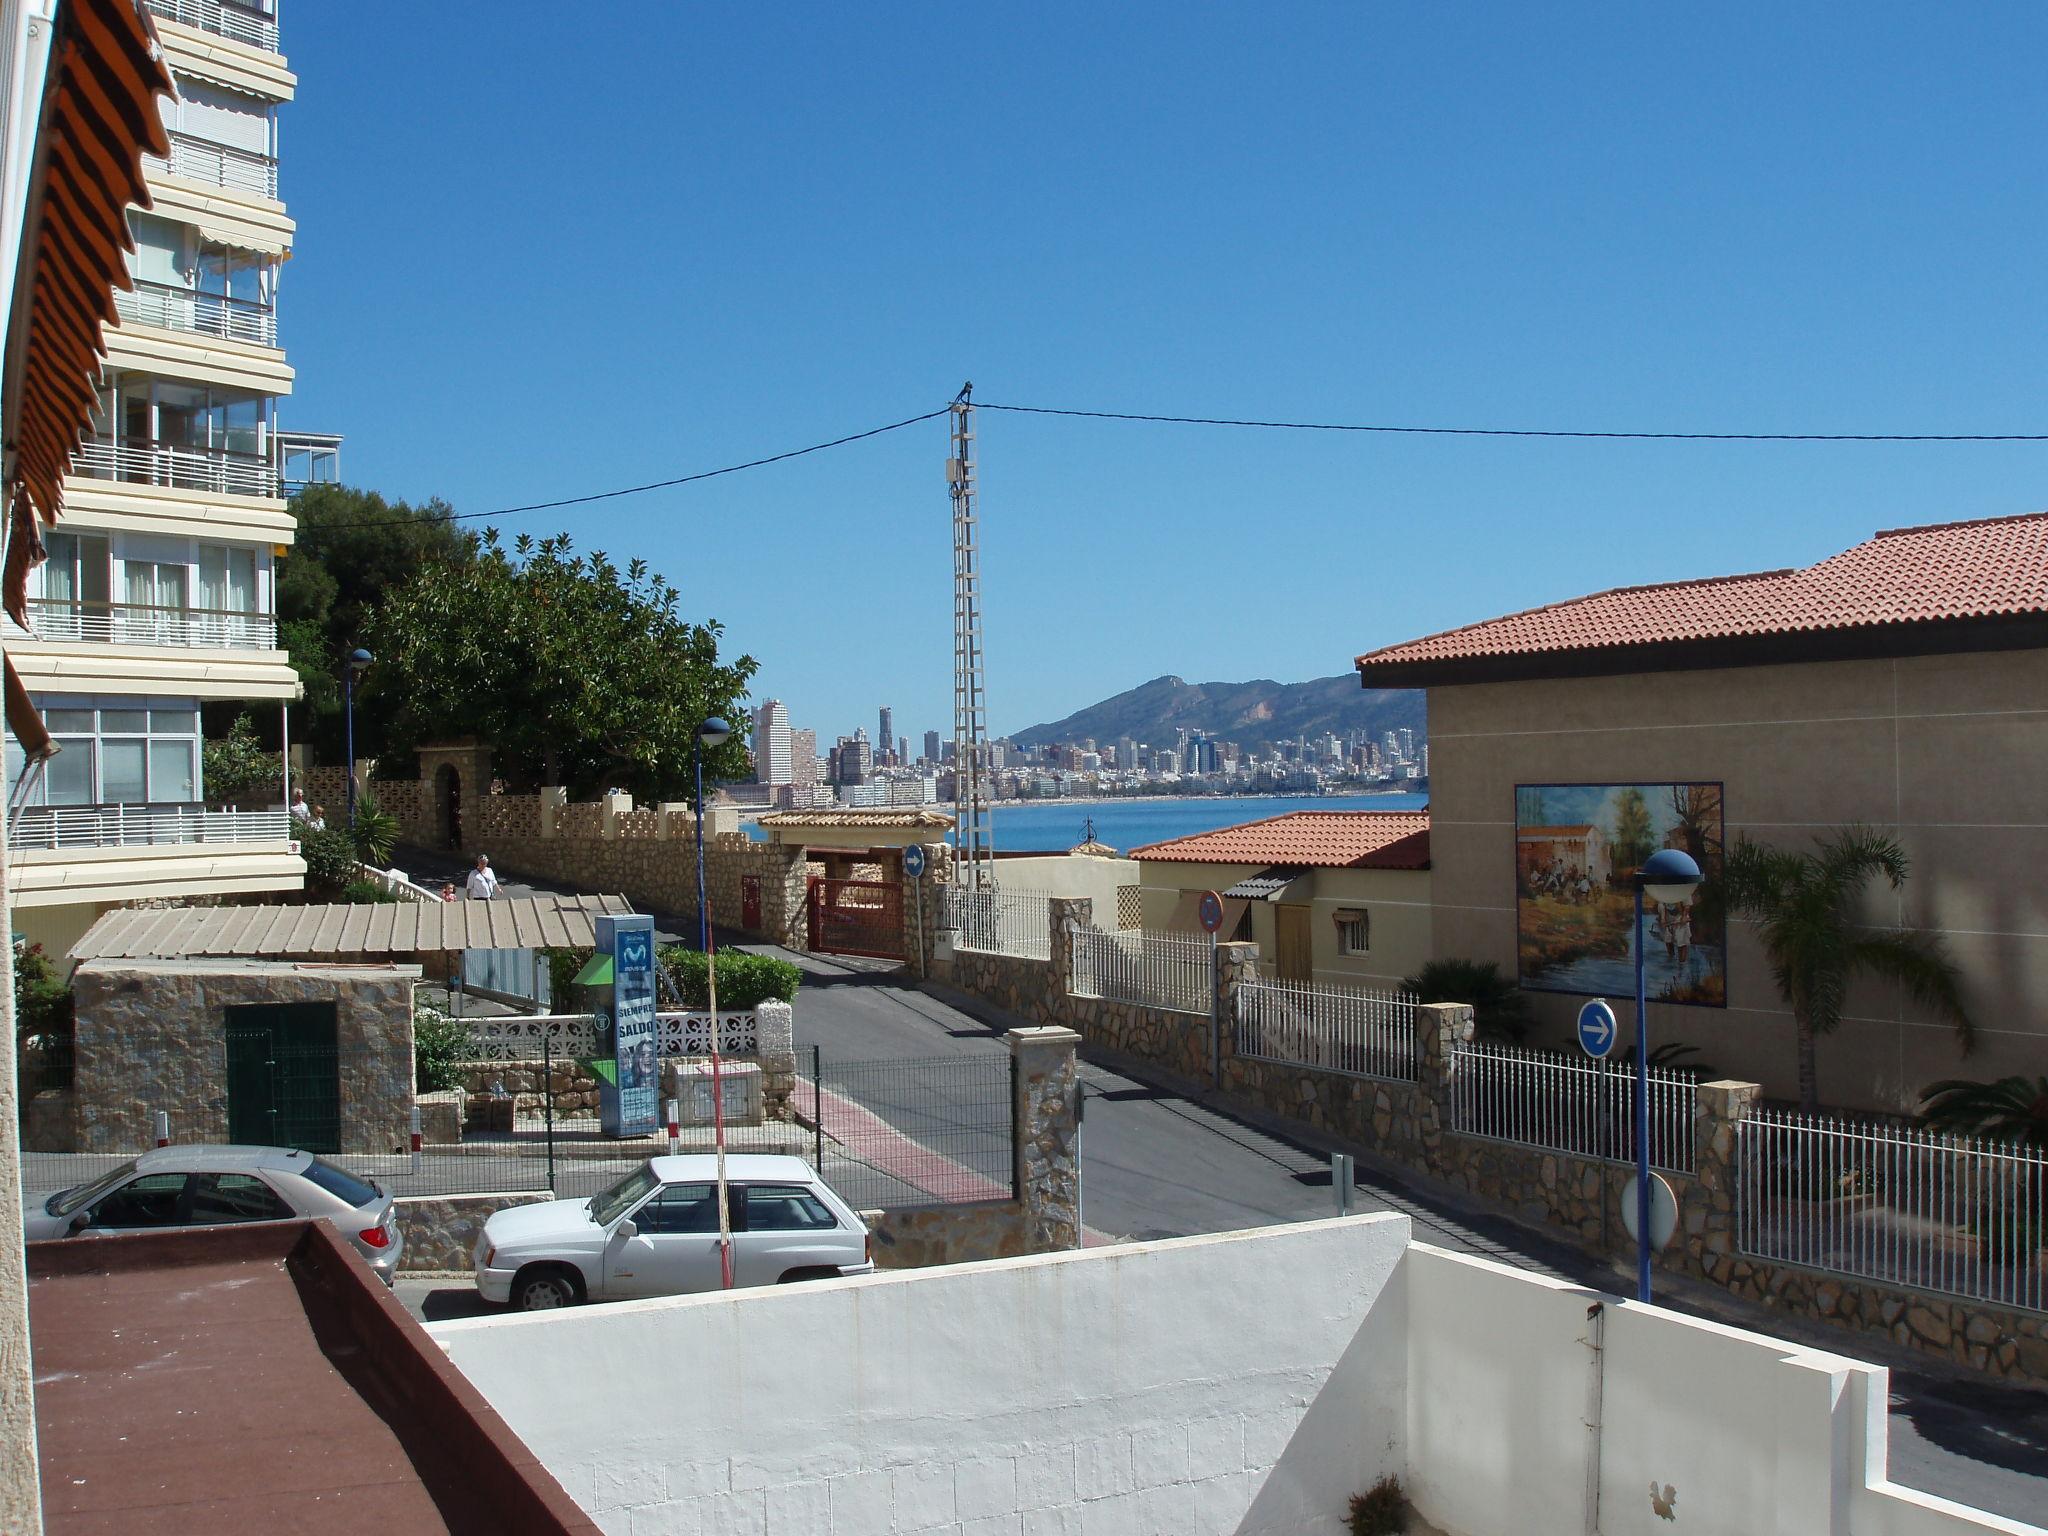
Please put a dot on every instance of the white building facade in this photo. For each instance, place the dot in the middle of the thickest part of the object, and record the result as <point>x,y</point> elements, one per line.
<point>772,756</point>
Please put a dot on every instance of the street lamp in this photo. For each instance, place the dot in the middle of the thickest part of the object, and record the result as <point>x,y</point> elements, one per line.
<point>1668,877</point>
<point>714,732</point>
<point>358,662</point>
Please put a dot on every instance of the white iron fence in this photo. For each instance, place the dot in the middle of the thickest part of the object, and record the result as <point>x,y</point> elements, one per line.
<point>1003,922</point>
<point>134,826</point>
<point>219,165</point>
<point>1332,1029</point>
<point>1895,1204</point>
<point>1158,970</point>
<point>1569,1104</point>
<point>138,624</point>
<point>528,1037</point>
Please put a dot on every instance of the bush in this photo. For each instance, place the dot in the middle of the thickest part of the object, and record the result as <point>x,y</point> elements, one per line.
<point>437,1044</point>
<point>330,855</point>
<point>744,980</point>
<point>563,964</point>
<point>366,892</point>
<point>375,831</point>
<point>235,766</point>
<point>1499,1009</point>
<point>1382,1510</point>
<point>42,1022</point>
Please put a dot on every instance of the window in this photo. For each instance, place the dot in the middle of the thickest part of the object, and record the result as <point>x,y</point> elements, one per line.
<point>1354,932</point>
<point>343,1186</point>
<point>227,579</point>
<point>78,576</point>
<point>786,1208</point>
<point>608,1205</point>
<point>236,1197</point>
<point>118,756</point>
<point>84,1194</point>
<point>150,1201</point>
<point>681,1208</point>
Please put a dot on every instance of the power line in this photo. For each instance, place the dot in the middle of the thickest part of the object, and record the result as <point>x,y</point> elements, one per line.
<point>1685,437</point>
<point>629,490</point>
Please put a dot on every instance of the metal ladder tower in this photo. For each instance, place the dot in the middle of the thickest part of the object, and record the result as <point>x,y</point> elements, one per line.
<point>973,828</point>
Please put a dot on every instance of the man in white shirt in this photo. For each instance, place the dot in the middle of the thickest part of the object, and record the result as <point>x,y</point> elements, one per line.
<point>483,880</point>
<point>299,809</point>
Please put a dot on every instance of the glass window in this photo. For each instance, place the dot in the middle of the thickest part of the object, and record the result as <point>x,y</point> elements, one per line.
<point>170,771</point>
<point>786,1208</point>
<point>236,1197</point>
<point>124,722</point>
<point>680,1208</point>
<point>1354,933</point>
<point>343,1186</point>
<point>66,722</point>
<point>124,773</point>
<point>84,1194</point>
<point>174,722</point>
<point>610,1204</point>
<point>227,579</point>
<point>67,777</point>
<point>150,1201</point>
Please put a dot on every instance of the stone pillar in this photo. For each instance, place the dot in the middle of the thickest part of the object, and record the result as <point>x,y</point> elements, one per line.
<point>1067,916</point>
<point>674,818</point>
<point>924,910</point>
<point>552,798</point>
<point>775,1023</point>
<point>1438,1026</point>
<point>616,803</point>
<point>1706,1216</point>
<point>1236,964</point>
<point>1045,1124</point>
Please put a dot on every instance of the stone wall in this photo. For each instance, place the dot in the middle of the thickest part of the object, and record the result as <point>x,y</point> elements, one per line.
<point>924,1236</point>
<point>151,1035</point>
<point>441,1230</point>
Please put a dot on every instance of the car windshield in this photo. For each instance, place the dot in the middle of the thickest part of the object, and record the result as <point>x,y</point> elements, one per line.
<point>343,1186</point>
<point>608,1205</point>
<point>64,1203</point>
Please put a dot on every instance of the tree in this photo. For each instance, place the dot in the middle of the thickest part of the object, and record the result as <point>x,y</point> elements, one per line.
<point>2009,1109</point>
<point>578,672</point>
<point>236,767</point>
<point>1805,910</point>
<point>1634,838</point>
<point>1499,1008</point>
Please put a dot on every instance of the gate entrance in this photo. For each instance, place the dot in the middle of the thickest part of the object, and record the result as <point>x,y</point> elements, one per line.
<point>856,917</point>
<point>284,1076</point>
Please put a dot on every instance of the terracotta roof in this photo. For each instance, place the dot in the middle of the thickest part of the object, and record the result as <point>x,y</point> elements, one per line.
<point>858,818</point>
<point>1309,840</point>
<point>1944,574</point>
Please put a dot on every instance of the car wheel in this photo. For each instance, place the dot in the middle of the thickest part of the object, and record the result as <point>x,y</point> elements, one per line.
<point>798,1276</point>
<point>543,1290</point>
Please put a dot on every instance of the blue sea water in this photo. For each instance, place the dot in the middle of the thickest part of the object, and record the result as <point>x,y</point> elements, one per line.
<point>1053,826</point>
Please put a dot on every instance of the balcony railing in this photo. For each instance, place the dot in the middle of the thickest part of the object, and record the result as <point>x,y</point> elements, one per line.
<point>235,21</point>
<point>211,314</point>
<point>192,469</point>
<point>141,826</point>
<point>144,624</point>
<point>217,165</point>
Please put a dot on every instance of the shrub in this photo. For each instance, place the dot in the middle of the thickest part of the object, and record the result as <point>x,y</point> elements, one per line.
<point>1382,1510</point>
<point>330,855</point>
<point>235,766</point>
<point>437,1044</point>
<point>2011,1109</point>
<point>42,1022</point>
<point>744,980</point>
<point>1499,1008</point>
<point>375,831</point>
<point>563,964</point>
<point>366,891</point>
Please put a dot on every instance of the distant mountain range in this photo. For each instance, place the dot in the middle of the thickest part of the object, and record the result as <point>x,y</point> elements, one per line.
<point>1251,714</point>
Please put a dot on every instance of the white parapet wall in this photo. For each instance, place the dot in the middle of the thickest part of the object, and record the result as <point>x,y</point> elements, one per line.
<point>1248,1383</point>
<point>1244,1383</point>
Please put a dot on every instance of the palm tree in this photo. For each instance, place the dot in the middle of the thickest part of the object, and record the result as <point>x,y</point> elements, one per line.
<point>2010,1109</point>
<point>1805,909</point>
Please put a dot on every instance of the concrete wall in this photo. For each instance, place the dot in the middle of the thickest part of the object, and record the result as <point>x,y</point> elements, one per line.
<point>1942,751</point>
<point>1058,1393</point>
<point>1069,874</point>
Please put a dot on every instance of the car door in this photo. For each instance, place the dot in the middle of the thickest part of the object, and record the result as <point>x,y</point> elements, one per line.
<point>224,1198</point>
<point>146,1202</point>
<point>781,1227</point>
<point>674,1248</point>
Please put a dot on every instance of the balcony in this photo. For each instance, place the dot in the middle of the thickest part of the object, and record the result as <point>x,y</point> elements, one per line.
<point>217,165</point>
<point>191,469</point>
<point>140,826</point>
<point>208,314</point>
<point>142,624</point>
<point>237,22</point>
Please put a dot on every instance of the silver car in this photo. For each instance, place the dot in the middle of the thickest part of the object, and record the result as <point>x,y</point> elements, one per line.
<point>207,1186</point>
<point>655,1233</point>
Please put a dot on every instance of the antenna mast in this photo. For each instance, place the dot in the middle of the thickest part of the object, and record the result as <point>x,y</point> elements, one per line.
<point>973,828</point>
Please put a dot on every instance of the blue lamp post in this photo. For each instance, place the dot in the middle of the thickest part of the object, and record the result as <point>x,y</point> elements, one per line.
<point>714,732</point>
<point>358,662</point>
<point>1668,876</point>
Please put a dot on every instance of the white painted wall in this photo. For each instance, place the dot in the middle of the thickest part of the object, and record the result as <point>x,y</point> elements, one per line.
<point>1075,875</point>
<point>1244,1383</point>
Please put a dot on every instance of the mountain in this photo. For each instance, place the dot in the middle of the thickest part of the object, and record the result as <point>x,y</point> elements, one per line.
<point>1251,714</point>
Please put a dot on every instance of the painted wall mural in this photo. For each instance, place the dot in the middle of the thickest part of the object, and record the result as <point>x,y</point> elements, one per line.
<point>1577,847</point>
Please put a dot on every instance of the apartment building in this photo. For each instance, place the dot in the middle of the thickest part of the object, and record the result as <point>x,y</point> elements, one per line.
<point>159,590</point>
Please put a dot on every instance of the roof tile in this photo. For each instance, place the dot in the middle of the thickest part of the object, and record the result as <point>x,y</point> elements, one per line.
<point>1309,839</point>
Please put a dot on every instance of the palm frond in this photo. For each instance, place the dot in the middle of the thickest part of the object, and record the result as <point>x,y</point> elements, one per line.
<point>1919,962</point>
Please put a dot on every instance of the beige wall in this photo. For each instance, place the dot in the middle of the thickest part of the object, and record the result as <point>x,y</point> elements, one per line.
<point>1945,752</point>
<point>1072,874</point>
<point>1397,903</point>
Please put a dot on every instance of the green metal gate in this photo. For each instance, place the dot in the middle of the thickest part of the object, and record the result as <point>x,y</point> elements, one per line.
<point>284,1076</point>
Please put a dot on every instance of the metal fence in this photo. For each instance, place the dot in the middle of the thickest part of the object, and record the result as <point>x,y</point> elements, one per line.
<point>1331,1029</point>
<point>1569,1104</point>
<point>1002,922</point>
<point>1176,972</point>
<point>892,1134</point>
<point>569,1036</point>
<point>1896,1205</point>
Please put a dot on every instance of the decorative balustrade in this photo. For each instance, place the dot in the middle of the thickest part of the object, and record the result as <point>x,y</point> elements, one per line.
<point>238,22</point>
<point>218,165</point>
<point>569,1036</point>
<point>192,469</point>
<point>138,826</point>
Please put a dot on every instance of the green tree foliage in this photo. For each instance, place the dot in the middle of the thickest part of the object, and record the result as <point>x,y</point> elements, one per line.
<point>353,549</point>
<point>1807,910</point>
<point>2009,1109</point>
<point>1634,838</point>
<point>1500,1011</point>
<point>236,767</point>
<point>577,671</point>
<point>42,1021</point>
<point>744,980</point>
<point>437,1045</point>
<point>330,855</point>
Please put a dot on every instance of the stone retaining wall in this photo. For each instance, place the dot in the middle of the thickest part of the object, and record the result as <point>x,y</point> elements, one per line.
<point>949,1234</point>
<point>441,1230</point>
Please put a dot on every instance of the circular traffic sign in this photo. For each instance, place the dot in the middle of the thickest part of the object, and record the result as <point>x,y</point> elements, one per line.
<point>1597,1029</point>
<point>1209,911</point>
<point>913,862</point>
<point>1663,1209</point>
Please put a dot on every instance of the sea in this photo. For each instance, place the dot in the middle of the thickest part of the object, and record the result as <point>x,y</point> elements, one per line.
<point>1054,826</point>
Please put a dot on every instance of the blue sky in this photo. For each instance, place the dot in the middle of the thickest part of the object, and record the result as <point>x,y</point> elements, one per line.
<point>577,249</point>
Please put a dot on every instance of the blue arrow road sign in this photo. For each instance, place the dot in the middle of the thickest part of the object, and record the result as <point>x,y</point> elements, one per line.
<point>913,862</point>
<point>1597,1030</point>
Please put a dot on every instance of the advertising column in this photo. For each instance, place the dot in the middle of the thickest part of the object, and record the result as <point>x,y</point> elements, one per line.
<point>627,1104</point>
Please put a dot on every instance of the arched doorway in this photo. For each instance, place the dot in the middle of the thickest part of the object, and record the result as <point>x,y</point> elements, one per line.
<point>448,804</point>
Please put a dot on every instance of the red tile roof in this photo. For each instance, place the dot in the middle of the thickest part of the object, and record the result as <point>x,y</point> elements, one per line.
<point>1309,840</point>
<point>1992,569</point>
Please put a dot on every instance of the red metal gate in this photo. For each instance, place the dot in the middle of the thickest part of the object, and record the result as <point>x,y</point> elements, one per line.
<point>856,917</point>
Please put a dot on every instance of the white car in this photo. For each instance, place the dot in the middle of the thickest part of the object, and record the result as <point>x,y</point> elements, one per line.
<point>655,1233</point>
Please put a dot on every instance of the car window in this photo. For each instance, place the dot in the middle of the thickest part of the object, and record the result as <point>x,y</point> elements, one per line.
<point>236,1197</point>
<point>150,1201</point>
<point>608,1205</point>
<point>84,1194</point>
<point>343,1186</point>
<point>680,1208</point>
<point>786,1208</point>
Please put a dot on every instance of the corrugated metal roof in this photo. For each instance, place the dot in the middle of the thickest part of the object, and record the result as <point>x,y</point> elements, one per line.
<point>404,928</point>
<point>1266,886</point>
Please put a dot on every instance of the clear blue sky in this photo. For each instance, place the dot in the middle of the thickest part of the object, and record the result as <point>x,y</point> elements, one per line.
<point>573,249</point>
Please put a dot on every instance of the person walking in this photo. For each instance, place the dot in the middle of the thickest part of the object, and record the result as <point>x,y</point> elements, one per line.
<point>483,880</point>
